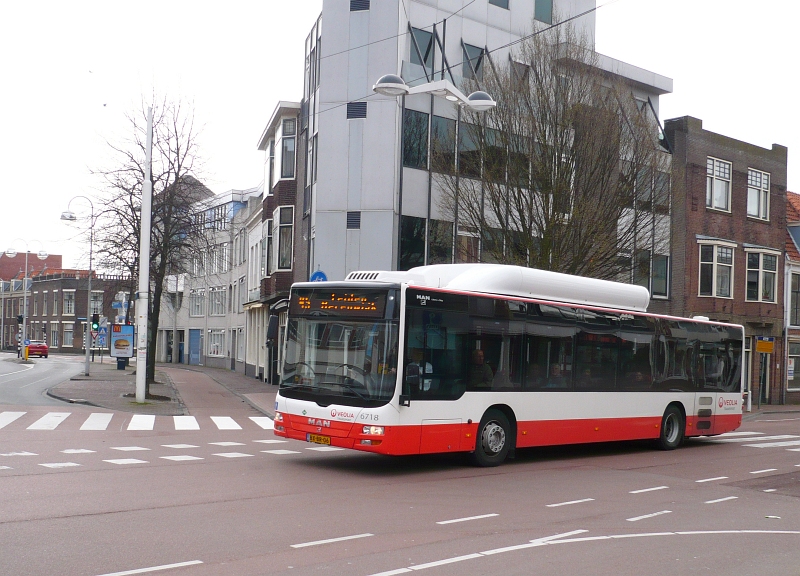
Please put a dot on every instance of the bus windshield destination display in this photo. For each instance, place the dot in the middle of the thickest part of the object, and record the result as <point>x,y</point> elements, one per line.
<point>368,304</point>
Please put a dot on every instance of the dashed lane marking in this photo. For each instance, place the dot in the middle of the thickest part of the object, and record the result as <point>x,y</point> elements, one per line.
<point>749,438</point>
<point>264,421</point>
<point>227,443</point>
<point>59,464</point>
<point>154,568</point>
<point>234,455</point>
<point>280,452</point>
<point>19,454</point>
<point>764,471</point>
<point>570,503</point>
<point>129,448</point>
<point>142,422</point>
<point>186,423</point>
<point>325,449</point>
<point>271,441</point>
<point>331,540</point>
<point>77,451</point>
<point>645,516</point>
<point>181,458</point>
<point>774,444</point>
<point>643,490</point>
<point>467,519</point>
<point>179,446</point>
<point>718,500</point>
<point>123,461</point>
<point>712,479</point>
<point>7,418</point>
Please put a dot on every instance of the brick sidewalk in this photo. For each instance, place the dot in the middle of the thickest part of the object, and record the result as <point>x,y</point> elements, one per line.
<point>113,389</point>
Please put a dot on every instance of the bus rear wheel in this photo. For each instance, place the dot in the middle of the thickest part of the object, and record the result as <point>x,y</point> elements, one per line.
<point>673,426</point>
<point>494,439</point>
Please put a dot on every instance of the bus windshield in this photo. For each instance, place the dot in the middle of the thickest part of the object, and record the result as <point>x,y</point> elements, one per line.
<point>338,360</point>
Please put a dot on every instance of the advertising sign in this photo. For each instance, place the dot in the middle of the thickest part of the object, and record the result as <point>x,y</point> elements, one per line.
<point>122,340</point>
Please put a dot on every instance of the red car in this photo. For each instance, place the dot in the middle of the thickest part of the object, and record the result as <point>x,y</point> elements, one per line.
<point>37,348</point>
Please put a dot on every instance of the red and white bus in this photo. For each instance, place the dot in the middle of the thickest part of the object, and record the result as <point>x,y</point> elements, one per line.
<point>487,358</point>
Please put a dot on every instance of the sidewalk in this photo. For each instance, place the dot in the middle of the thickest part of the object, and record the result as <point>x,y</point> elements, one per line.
<point>113,389</point>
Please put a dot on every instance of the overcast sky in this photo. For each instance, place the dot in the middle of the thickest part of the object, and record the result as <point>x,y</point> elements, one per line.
<point>71,70</point>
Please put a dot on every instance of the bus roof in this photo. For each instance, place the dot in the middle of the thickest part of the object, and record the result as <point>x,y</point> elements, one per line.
<point>518,281</point>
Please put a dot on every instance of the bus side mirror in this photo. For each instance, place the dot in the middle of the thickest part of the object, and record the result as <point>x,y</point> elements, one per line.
<point>405,400</point>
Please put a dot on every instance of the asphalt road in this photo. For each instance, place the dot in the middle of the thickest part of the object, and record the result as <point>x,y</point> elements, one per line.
<point>27,384</point>
<point>199,497</point>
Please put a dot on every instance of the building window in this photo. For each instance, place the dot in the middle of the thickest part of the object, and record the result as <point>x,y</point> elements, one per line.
<point>440,242</point>
<point>794,366</point>
<point>501,3</point>
<point>271,169</point>
<point>216,301</point>
<point>757,194</point>
<point>284,227</point>
<point>443,144</point>
<point>422,48</point>
<point>55,303</point>
<point>44,304</point>
<point>53,336</point>
<point>412,242</point>
<point>718,184</point>
<point>761,276</point>
<point>35,298</point>
<point>794,311</point>
<point>716,270</point>
<point>270,256</point>
<point>288,148</point>
<point>543,11</point>
<point>652,273</point>
<point>68,335</point>
<point>415,139</point>
<point>469,152</point>
<point>197,298</point>
<point>468,244</point>
<point>69,305</point>
<point>216,343</point>
<point>97,303</point>
<point>473,62</point>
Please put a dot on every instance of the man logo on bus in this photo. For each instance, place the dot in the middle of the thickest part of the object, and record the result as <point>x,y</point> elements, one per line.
<point>319,423</point>
<point>423,299</point>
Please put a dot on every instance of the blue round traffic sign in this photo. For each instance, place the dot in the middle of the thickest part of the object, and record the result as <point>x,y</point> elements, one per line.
<point>27,342</point>
<point>318,276</point>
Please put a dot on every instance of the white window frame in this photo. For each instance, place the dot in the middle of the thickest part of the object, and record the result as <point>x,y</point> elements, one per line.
<point>197,300</point>
<point>793,362</point>
<point>69,310</point>
<point>68,329</point>
<point>758,186</point>
<point>35,298</point>
<point>716,245</point>
<point>215,346</point>
<point>216,301</point>
<point>97,303</point>
<point>715,176</point>
<point>55,302</point>
<point>285,139</point>
<point>277,237</point>
<point>45,295</point>
<point>762,273</point>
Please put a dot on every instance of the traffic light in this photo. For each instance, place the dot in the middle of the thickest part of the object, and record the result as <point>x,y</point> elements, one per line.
<point>19,319</point>
<point>95,322</point>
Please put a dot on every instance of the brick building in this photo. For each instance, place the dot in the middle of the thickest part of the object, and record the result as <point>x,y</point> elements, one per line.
<point>728,242</point>
<point>792,299</point>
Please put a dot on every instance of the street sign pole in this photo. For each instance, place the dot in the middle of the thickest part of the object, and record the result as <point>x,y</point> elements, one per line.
<point>143,301</point>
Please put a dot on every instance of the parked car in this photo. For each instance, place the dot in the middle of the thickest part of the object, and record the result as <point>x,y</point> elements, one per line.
<point>37,348</point>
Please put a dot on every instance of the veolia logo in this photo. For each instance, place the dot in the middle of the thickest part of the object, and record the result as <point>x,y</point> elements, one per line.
<point>723,402</point>
<point>342,414</point>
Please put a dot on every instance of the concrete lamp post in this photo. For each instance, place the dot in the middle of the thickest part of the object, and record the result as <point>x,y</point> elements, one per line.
<point>42,255</point>
<point>70,217</point>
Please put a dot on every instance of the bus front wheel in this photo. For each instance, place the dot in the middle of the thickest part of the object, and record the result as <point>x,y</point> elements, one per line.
<point>673,425</point>
<point>494,439</point>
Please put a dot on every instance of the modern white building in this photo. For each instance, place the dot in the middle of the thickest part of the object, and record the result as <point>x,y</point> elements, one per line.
<point>369,209</point>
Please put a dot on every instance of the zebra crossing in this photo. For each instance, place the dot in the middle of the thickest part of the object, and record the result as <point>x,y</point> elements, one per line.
<point>100,421</point>
<point>757,440</point>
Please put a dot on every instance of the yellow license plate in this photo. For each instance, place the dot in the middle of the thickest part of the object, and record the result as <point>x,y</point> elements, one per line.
<point>317,439</point>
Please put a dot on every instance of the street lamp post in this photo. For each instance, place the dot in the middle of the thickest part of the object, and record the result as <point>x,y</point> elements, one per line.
<point>42,255</point>
<point>393,85</point>
<point>70,217</point>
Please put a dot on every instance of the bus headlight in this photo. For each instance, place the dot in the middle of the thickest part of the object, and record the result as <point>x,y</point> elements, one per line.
<point>278,417</point>
<point>373,430</point>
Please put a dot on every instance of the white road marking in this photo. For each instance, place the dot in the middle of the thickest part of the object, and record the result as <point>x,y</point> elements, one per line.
<point>712,479</point>
<point>7,418</point>
<point>561,539</point>
<point>730,434</point>
<point>648,490</point>
<point>19,454</point>
<point>331,540</point>
<point>285,441</point>
<point>763,471</point>
<point>722,500</point>
<point>570,502</point>
<point>181,458</point>
<point>77,451</point>
<point>49,421</point>
<point>754,438</point>
<point>142,422</point>
<point>280,452</point>
<point>775,444</point>
<point>6,468</point>
<point>225,423</point>
<point>233,455</point>
<point>179,446</point>
<point>654,514</point>
<point>186,423</point>
<point>154,568</point>
<point>264,421</point>
<point>227,443</point>
<point>59,464</point>
<point>467,519</point>
<point>97,421</point>
<point>129,448</point>
<point>126,461</point>
<point>770,490</point>
<point>326,448</point>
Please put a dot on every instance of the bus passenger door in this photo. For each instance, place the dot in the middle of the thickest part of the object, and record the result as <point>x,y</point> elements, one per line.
<point>440,436</point>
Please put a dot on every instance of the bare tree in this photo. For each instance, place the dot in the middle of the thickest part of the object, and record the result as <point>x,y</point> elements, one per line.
<point>566,173</point>
<point>179,230</point>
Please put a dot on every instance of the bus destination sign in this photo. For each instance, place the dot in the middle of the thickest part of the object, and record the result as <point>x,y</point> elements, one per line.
<point>369,303</point>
